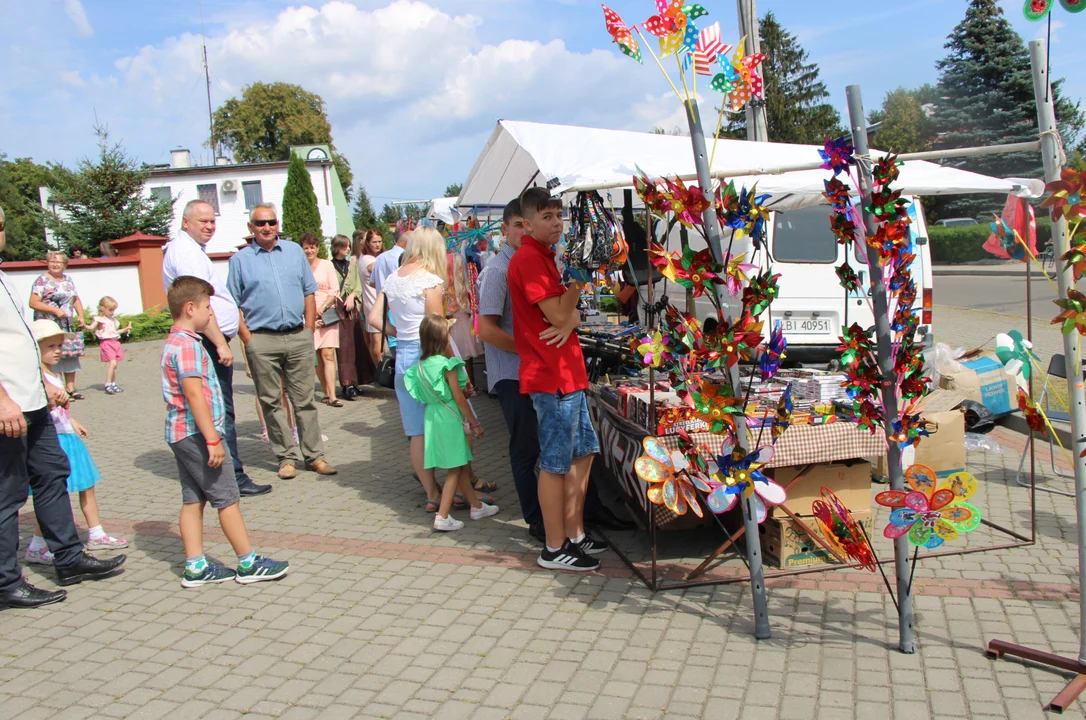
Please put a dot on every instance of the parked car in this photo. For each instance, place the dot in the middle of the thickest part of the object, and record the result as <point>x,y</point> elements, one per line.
<point>956,222</point>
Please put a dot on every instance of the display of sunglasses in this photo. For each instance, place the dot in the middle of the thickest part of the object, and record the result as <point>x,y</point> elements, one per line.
<point>262,223</point>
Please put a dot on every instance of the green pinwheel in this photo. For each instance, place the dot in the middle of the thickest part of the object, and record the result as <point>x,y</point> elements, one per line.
<point>1016,354</point>
<point>1073,315</point>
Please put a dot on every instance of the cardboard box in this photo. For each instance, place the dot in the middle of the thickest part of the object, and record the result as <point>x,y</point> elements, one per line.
<point>984,380</point>
<point>944,450</point>
<point>786,546</point>
<point>851,483</point>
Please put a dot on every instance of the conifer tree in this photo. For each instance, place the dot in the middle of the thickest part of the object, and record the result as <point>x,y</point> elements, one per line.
<point>364,216</point>
<point>300,211</point>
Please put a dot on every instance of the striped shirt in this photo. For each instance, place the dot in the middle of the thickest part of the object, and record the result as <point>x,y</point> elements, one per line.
<point>494,300</point>
<point>184,357</point>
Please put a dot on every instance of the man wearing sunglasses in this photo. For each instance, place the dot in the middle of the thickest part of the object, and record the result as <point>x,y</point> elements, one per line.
<point>273,286</point>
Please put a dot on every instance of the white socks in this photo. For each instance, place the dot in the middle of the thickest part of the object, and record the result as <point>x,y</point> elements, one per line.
<point>97,533</point>
<point>37,543</point>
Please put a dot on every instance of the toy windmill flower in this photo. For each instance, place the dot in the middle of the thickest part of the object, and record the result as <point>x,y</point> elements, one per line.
<point>698,269</point>
<point>837,155</point>
<point>909,429</point>
<point>687,203</point>
<point>837,193</point>
<point>782,419</point>
<point>737,273</point>
<point>668,482</point>
<point>1016,354</point>
<point>717,406</point>
<point>1076,258</point>
<point>855,346</point>
<point>930,516</point>
<point>1068,198</point>
<point>739,473</point>
<point>1008,239</point>
<point>621,34</point>
<point>1034,419</point>
<point>850,281</point>
<point>770,361</point>
<point>654,350</point>
<point>1073,312</point>
<point>842,531</point>
<point>761,292</point>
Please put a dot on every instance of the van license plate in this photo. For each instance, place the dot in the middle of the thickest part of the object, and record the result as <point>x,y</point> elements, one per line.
<point>812,326</point>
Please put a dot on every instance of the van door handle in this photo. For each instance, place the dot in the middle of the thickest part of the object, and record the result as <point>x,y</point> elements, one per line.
<point>861,276</point>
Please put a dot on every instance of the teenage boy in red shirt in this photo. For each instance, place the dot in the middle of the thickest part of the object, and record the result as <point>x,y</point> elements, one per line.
<point>552,373</point>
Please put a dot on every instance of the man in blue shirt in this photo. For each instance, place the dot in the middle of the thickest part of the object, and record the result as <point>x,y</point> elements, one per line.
<point>273,287</point>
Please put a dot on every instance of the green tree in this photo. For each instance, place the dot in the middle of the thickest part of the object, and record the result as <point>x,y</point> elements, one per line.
<point>19,183</point>
<point>269,118</point>
<point>453,190</point>
<point>985,97</point>
<point>390,214</point>
<point>300,211</point>
<point>795,98</point>
<point>103,200</point>
<point>364,216</point>
<point>904,123</point>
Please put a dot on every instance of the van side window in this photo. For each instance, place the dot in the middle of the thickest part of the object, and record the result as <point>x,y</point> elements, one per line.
<point>804,236</point>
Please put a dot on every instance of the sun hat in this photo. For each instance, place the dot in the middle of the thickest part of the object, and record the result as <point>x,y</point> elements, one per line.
<point>42,329</point>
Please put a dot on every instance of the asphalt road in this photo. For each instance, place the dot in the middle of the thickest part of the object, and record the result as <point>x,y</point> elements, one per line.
<point>1001,294</point>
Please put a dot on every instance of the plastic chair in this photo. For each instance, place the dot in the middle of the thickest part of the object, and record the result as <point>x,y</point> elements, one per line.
<point>1057,368</point>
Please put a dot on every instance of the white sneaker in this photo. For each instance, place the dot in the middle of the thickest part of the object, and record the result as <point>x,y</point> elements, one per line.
<point>446,524</point>
<point>39,557</point>
<point>483,511</point>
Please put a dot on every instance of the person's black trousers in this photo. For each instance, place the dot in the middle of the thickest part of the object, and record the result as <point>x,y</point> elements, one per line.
<point>225,374</point>
<point>36,461</point>
<point>519,414</point>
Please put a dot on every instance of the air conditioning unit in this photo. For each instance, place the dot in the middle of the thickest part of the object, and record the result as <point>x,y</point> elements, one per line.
<point>230,186</point>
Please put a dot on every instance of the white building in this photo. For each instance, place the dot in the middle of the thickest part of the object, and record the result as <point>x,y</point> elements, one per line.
<point>233,189</point>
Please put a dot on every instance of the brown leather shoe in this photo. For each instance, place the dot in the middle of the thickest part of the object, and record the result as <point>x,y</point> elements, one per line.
<point>287,471</point>
<point>322,467</point>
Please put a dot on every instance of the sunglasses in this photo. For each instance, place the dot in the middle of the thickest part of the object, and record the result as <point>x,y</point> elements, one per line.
<point>262,223</point>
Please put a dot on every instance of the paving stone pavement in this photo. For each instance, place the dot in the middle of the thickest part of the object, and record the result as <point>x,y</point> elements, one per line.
<point>381,618</point>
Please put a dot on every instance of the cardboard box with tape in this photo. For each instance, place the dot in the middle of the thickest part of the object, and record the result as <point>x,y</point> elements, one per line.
<point>944,450</point>
<point>850,481</point>
<point>787,546</point>
<point>983,379</point>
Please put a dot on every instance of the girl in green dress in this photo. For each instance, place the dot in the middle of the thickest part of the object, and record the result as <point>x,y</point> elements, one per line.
<point>437,382</point>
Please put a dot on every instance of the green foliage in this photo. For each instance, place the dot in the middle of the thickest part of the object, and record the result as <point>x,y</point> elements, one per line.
<point>392,214</point>
<point>453,190</point>
<point>795,98</point>
<point>269,118</point>
<point>905,126</point>
<point>152,324</point>
<point>300,211</point>
<point>985,97</point>
<point>102,200</point>
<point>364,216</point>
<point>954,245</point>
<point>19,183</point>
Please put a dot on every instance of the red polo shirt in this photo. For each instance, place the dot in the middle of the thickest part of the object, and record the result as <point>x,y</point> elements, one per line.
<point>533,277</point>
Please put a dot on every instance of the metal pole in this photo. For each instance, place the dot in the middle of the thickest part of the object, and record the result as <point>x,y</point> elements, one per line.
<point>1050,152</point>
<point>884,338</point>
<point>755,110</point>
<point>712,230</point>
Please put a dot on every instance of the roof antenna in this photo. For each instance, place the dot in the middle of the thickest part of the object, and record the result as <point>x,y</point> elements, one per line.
<point>207,77</point>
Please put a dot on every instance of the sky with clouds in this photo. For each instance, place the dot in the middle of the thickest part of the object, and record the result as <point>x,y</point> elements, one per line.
<point>413,87</point>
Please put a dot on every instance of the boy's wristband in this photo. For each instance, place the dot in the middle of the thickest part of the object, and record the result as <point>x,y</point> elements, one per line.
<point>213,444</point>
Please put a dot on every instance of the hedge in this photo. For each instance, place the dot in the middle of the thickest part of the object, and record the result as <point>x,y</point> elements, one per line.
<point>151,324</point>
<point>951,245</point>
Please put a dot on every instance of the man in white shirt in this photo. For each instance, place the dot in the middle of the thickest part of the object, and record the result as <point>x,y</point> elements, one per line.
<point>186,254</point>
<point>31,457</point>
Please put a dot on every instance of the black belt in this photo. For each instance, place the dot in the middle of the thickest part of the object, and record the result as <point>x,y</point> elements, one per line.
<point>284,331</point>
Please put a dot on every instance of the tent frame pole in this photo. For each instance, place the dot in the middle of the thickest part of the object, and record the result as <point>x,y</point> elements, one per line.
<point>1053,164</point>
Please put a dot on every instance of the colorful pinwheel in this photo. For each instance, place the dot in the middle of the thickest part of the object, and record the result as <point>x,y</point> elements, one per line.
<point>708,49</point>
<point>716,405</point>
<point>743,211</point>
<point>683,331</point>
<point>664,261</point>
<point>1076,258</point>
<point>842,531</point>
<point>737,472</point>
<point>868,414</point>
<point>654,350</point>
<point>782,419</point>
<point>669,25</point>
<point>749,81</point>
<point>687,203</point>
<point>1068,198</point>
<point>855,346</point>
<point>669,484</point>
<point>838,194</point>
<point>909,429</point>
<point>1008,239</point>
<point>761,292</point>
<point>621,34</point>
<point>1034,419</point>
<point>930,516</point>
<point>736,273</point>
<point>837,155</point>
<point>770,361</point>
<point>698,269</point>
<point>850,281</point>
<point>1016,354</point>
<point>1073,315</point>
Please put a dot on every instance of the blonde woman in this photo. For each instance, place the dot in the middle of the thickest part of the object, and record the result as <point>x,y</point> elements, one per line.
<point>413,292</point>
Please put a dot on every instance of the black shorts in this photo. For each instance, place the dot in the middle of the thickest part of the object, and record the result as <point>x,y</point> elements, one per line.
<point>200,483</point>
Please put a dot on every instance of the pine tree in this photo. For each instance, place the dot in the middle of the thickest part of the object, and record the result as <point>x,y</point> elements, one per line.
<point>103,200</point>
<point>300,211</point>
<point>364,216</point>
<point>795,98</point>
<point>453,190</point>
<point>985,97</point>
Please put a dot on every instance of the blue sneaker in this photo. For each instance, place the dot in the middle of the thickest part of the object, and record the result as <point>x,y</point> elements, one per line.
<point>212,574</point>
<point>263,568</point>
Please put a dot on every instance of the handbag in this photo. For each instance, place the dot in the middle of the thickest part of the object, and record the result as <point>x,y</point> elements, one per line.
<point>596,241</point>
<point>433,393</point>
<point>330,316</point>
<point>386,368</point>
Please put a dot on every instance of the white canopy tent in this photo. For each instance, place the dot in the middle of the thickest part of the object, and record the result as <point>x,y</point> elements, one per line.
<point>444,209</point>
<point>521,154</point>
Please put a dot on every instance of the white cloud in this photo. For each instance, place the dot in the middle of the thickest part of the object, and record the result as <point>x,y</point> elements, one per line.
<point>74,10</point>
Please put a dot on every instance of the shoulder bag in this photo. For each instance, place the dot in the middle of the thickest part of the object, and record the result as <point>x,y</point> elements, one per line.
<point>386,368</point>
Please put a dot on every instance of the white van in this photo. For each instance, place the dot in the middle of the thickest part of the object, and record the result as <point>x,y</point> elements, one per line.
<point>811,304</point>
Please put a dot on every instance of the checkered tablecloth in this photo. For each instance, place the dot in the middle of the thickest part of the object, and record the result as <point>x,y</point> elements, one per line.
<point>806,444</point>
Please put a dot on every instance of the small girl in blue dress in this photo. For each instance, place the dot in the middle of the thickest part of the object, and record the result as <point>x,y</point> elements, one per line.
<point>84,473</point>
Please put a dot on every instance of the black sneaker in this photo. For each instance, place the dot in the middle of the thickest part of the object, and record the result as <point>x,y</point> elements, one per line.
<point>212,574</point>
<point>590,545</point>
<point>568,557</point>
<point>536,531</point>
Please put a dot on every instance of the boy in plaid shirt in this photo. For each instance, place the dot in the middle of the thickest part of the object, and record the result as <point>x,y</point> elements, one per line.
<point>194,426</point>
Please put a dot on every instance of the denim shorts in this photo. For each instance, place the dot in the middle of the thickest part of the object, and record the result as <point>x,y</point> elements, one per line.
<point>412,412</point>
<point>565,432</point>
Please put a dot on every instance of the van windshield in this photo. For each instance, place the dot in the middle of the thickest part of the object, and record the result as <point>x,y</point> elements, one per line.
<point>804,235</point>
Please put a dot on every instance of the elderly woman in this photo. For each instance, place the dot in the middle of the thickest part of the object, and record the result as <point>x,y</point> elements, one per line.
<point>355,366</point>
<point>326,337</point>
<point>54,297</point>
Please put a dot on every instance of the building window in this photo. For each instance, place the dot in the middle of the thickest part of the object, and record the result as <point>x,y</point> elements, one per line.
<point>254,194</point>
<point>161,193</point>
<point>210,194</point>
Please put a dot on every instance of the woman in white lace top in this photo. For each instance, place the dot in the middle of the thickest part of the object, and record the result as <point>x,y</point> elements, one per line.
<point>413,292</point>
